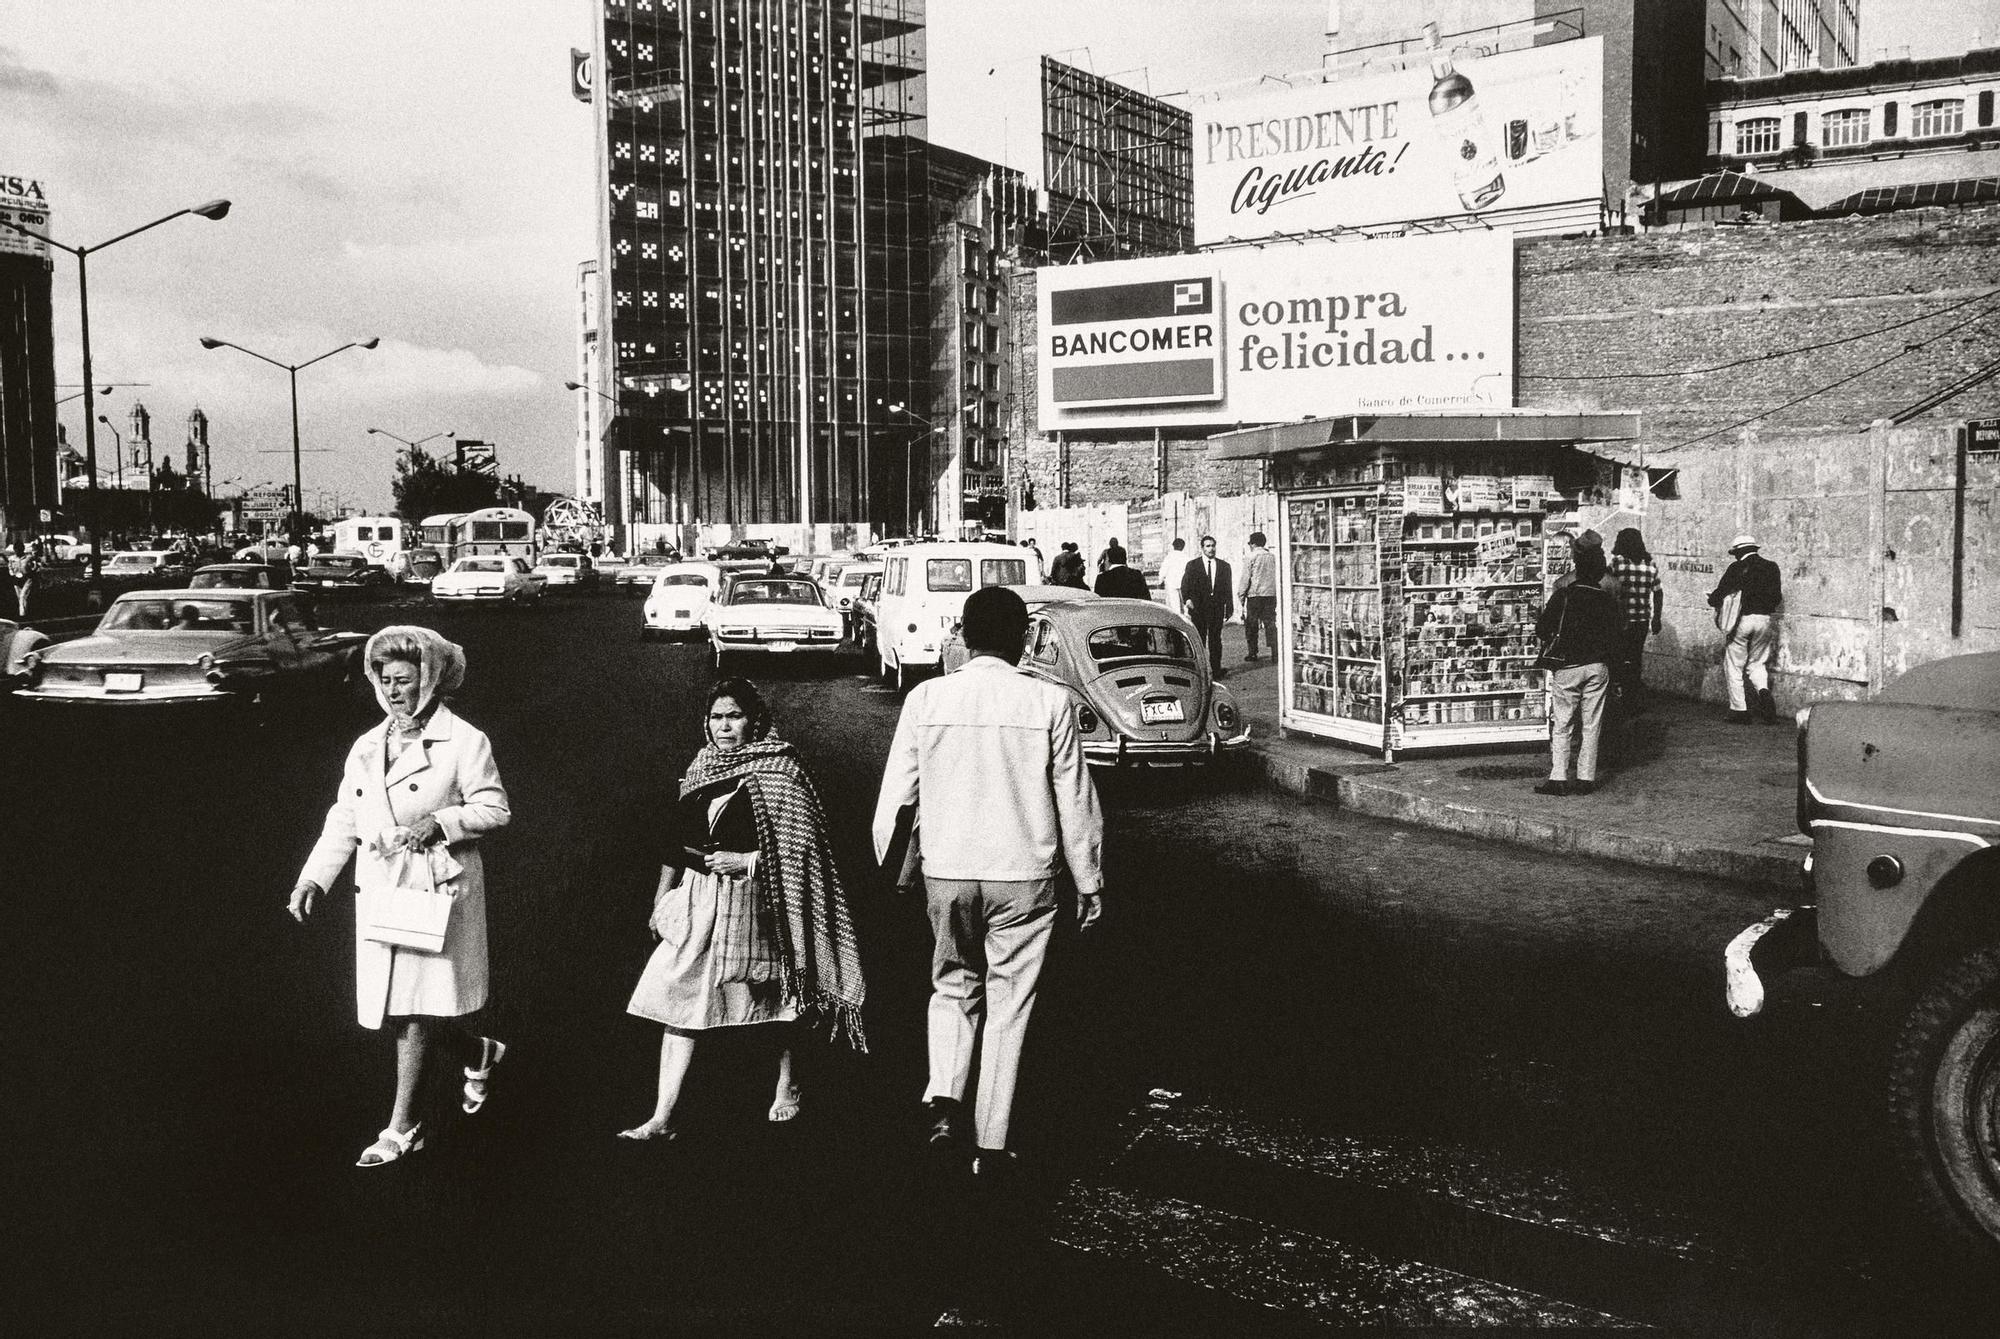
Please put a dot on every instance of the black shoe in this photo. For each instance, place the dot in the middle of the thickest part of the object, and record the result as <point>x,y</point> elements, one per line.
<point>1582,787</point>
<point>947,1122</point>
<point>1766,707</point>
<point>1738,718</point>
<point>1553,788</point>
<point>996,1166</point>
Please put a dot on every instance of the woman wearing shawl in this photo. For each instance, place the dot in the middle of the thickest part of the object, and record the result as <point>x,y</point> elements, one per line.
<point>752,919</point>
<point>417,793</point>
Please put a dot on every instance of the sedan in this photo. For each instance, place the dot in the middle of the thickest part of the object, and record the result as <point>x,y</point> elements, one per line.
<point>154,569</point>
<point>843,586</point>
<point>574,570</point>
<point>194,646</point>
<point>497,577</point>
<point>1141,687</point>
<point>679,600</point>
<point>340,574</point>
<point>771,615</point>
<point>636,577</point>
<point>233,576</point>
<point>15,644</point>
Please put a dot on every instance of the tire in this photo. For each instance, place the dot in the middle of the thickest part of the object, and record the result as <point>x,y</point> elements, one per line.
<point>1944,1104</point>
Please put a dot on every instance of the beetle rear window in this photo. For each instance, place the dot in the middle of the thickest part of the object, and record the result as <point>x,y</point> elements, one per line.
<point>1123,643</point>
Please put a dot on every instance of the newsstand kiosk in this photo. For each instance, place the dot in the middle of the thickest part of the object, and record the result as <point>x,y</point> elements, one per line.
<point>1415,552</point>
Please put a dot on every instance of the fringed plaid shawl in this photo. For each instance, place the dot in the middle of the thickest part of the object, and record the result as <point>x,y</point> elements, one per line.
<point>818,959</point>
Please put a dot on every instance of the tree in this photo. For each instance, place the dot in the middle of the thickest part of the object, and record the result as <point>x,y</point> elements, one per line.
<point>425,486</point>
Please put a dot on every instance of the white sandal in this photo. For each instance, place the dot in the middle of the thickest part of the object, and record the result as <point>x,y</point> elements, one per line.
<point>389,1146</point>
<point>492,1052</point>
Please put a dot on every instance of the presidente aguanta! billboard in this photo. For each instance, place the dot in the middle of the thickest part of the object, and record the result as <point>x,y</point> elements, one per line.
<point>1457,134</point>
<point>1277,333</point>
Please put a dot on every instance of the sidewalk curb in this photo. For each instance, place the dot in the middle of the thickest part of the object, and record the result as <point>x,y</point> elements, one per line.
<point>1368,789</point>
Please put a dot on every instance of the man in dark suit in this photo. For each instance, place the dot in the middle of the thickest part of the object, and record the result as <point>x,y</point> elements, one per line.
<point>1119,581</point>
<point>1208,598</point>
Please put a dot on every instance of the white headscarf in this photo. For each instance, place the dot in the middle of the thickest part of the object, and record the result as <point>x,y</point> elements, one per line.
<point>440,667</point>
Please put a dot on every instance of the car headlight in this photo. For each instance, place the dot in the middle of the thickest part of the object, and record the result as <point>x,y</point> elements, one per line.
<point>205,663</point>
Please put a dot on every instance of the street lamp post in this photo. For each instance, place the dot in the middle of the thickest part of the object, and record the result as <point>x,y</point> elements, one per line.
<point>118,454</point>
<point>931,429</point>
<point>292,370</point>
<point>213,209</point>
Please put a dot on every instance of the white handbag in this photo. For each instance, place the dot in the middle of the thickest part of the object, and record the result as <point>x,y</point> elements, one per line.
<point>407,916</point>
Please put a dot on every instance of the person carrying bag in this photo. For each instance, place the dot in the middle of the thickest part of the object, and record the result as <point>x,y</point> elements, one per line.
<point>1578,630</point>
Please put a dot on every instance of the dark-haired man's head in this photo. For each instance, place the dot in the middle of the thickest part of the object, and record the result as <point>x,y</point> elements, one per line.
<point>1114,555</point>
<point>994,623</point>
<point>1590,565</point>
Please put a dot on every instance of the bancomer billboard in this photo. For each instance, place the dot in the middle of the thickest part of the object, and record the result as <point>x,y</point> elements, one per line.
<point>1278,333</point>
<point>1466,134</point>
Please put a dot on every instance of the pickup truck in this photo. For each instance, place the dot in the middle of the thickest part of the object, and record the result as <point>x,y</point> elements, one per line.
<point>1901,796</point>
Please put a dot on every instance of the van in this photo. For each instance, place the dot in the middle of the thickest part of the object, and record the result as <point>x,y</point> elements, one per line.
<point>923,593</point>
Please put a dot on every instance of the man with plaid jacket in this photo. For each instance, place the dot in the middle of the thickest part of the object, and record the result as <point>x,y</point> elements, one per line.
<point>1643,600</point>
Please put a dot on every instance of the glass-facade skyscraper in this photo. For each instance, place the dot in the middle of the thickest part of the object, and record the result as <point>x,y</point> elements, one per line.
<point>753,204</point>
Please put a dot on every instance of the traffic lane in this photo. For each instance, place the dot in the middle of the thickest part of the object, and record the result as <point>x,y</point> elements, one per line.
<point>1317,963</point>
<point>257,1089</point>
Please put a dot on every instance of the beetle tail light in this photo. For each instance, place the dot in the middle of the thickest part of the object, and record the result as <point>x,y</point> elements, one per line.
<point>1225,716</point>
<point>1087,721</point>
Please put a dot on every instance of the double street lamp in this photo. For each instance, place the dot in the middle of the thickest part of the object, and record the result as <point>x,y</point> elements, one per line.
<point>213,209</point>
<point>298,488</point>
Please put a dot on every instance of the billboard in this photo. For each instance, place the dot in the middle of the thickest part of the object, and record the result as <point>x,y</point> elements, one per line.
<point>1279,333</point>
<point>1459,135</point>
<point>23,200</point>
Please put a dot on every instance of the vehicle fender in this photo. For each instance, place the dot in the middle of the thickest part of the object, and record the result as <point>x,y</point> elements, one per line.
<point>1902,764</point>
<point>1863,925</point>
<point>1962,913</point>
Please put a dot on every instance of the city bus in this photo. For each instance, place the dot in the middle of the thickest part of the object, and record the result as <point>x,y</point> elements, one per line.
<point>504,530</point>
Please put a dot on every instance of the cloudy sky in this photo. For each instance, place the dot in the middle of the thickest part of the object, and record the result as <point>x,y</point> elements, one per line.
<point>419,172</point>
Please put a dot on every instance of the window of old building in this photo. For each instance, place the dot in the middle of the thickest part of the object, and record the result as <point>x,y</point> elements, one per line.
<point>1946,116</point>
<point>1758,136</point>
<point>1846,127</point>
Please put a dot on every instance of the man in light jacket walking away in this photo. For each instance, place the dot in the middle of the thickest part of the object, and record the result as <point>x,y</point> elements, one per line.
<point>1006,801</point>
<point>1260,596</point>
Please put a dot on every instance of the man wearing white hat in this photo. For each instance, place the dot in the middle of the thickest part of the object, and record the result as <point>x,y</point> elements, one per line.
<point>1745,623</point>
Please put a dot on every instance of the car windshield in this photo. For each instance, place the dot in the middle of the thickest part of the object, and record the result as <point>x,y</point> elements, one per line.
<point>955,574</point>
<point>130,562</point>
<point>854,578</point>
<point>656,559</point>
<point>479,565</point>
<point>182,615</point>
<point>774,592</point>
<point>559,561</point>
<point>228,580</point>
<point>683,579</point>
<point>1145,639</point>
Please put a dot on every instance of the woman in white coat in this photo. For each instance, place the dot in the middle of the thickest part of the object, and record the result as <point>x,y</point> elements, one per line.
<point>417,793</point>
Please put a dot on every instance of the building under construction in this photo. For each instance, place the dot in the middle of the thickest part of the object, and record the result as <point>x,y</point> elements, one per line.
<point>1119,167</point>
<point>763,270</point>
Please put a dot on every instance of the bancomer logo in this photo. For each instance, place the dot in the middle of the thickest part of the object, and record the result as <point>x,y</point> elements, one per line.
<point>1146,343</point>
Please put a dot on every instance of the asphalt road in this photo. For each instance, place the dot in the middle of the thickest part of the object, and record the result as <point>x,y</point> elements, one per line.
<point>1310,1071</point>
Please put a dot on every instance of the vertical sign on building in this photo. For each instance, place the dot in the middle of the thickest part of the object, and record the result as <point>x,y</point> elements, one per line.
<point>23,200</point>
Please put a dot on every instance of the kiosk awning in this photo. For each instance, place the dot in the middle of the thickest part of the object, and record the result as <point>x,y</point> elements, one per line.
<point>1281,439</point>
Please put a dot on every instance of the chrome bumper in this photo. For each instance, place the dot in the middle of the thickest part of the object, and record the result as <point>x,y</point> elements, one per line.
<point>1159,753</point>
<point>1787,938</point>
<point>204,693</point>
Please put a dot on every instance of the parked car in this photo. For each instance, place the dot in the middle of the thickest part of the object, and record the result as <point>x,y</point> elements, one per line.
<point>340,574</point>
<point>636,577</point>
<point>1139,679</point>
<point>845,585</point>
<point>1901,796</point>
<point>195,646</point>
<point>679,600</point>
<point>233,576</point>
<point>745,555</point>
<point>1035,597</point>
<point>494,576</point>
<point>573,570</point>
<point>771,615</point>
<point>146,569</point>
<point>866,600</point>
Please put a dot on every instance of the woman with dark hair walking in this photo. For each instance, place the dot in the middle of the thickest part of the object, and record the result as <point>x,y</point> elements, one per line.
<point>1642,601</point>
<point>753,922</point>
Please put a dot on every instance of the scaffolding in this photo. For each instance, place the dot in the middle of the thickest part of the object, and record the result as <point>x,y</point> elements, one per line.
<point>1119,165</point>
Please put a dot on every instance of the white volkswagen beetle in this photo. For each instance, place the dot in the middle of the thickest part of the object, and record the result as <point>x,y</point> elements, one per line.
<point>679,600</point>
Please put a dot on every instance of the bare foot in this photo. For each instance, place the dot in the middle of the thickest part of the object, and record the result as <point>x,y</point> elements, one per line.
<point>785,1106</point>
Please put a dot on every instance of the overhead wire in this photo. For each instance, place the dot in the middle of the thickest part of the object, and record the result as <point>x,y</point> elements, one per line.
<point>1992,296</point>
<point>1949,391</point>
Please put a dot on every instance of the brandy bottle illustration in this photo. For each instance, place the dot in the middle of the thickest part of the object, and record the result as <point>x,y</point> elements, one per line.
<point>1461,128</point>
